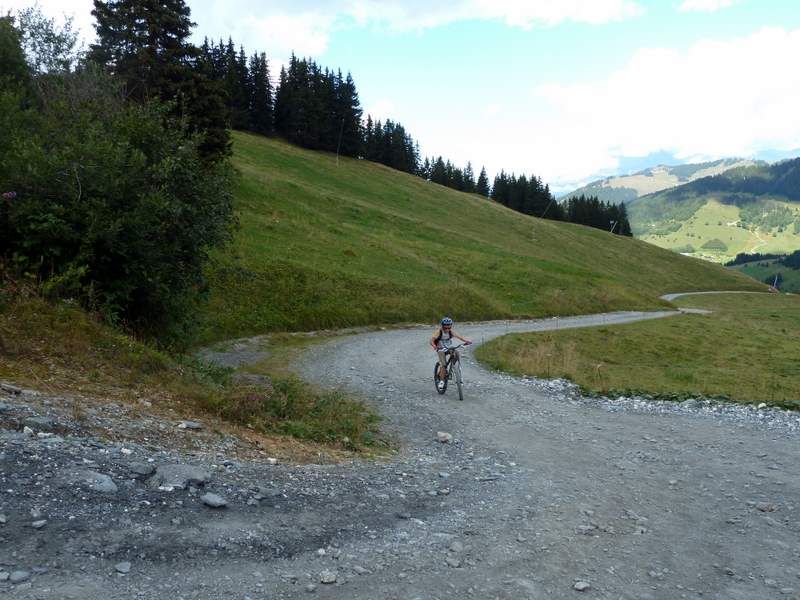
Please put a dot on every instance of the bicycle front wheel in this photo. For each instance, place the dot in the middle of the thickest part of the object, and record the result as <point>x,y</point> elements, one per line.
<point>459,381</point>
<point>436,379</point>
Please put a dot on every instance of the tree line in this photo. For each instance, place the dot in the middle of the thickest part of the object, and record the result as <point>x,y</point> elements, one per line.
<point>319,108</point>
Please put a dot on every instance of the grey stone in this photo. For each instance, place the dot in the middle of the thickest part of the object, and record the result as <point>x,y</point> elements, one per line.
<point>194,425</point>
<point>456,546</point>
<point>11,389</point>
<point>213,500</point>
<point>311,588</point>
<point>443,437</point>
<point>453,562</point>
<point>19,576</point>
<point>98,482</point>
<point>581,586</point>
<point>143,469</point>
<point>39,524</point>
<point>41,423</point>
<point>3,519</point>
<point>766,507</point>
<point>327,577</point>
<point>179,476</point>
<point>5,407</point>
<point>123,567</point>
<point>4,575</point>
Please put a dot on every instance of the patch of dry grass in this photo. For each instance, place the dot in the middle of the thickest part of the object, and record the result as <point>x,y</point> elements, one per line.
<point>58,349</point>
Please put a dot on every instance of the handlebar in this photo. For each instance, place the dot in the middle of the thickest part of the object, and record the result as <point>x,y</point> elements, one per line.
<point>451,348</point>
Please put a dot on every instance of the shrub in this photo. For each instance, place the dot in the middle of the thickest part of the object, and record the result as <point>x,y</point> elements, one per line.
<point>108,202</point>
<point>715,244</point>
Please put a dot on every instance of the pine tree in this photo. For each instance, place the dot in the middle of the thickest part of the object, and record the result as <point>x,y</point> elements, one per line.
<point>145,45</point>
<point>482,187</point>
<point>283,101</point>
<point>261,95</point>
<point>469,179</point>
<point>439,172</point>
<point>348,109</point>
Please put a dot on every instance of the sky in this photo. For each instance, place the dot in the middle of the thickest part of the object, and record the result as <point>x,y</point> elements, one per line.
<point>569,90</point>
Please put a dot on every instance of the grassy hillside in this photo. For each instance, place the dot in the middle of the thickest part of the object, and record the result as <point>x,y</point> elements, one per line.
<point>747,209</point>
<point>325,245</point>
<point>761,270</point>
<point>746,350</point>
<point>624,188</point>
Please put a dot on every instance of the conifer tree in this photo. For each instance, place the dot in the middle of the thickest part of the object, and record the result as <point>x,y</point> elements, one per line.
<point>439,172</point>
<point>283,101</point>
<point>469,179</point>
<point>261,99</point>
<point>146,45</point>
<point>482,187</point>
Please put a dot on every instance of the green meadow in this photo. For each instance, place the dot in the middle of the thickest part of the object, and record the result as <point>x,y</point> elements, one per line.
<point>332,243</point>
<point>745,350</point>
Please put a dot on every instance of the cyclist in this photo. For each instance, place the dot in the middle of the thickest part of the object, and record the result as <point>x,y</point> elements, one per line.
<point>442,340</point>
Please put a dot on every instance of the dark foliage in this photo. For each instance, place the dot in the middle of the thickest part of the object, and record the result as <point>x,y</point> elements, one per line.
<point>743,258</point>
<point>792,260</point>
<point>601,215</point>
<point>779,179</point>
<point>107,201</point>
<point>145,45</point>
<point>526,195</point>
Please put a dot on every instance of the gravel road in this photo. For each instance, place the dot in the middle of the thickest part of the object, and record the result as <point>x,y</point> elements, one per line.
<point>539,493</point>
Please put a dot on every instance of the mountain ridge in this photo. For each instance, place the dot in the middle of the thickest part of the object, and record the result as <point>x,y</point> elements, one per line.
<point>624,188</point>
<point>747,208</point>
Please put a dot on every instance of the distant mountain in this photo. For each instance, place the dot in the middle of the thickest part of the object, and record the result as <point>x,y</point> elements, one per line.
<point>749,208</point>
<point>624,188</point>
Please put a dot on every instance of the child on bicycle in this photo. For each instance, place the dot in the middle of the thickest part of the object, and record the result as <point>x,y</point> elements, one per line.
<point>441,341</point>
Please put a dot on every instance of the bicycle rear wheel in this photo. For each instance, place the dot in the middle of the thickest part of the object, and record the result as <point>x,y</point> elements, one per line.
<point>436,379</point>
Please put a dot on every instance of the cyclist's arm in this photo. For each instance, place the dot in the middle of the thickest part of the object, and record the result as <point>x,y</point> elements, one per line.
<point>465,340</point>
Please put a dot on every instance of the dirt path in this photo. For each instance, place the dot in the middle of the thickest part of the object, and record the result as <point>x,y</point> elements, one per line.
<point>541,492</point>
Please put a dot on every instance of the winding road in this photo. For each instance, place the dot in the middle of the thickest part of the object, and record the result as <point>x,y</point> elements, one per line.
<point>548,494</point>
<point>539,494</point>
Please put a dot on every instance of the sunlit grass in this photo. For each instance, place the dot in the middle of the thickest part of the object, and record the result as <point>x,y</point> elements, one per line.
<point>746,350</point>
<point>325,244</point>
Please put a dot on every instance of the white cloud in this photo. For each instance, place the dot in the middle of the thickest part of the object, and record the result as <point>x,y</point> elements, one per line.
<point>717,98</point>
<point>421,14</point>
<point>79,10</point>
<point>704,5</point>
<point>305,26</point>
<point>381,109</point>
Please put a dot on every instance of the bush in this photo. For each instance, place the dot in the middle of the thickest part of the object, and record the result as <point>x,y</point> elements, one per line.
<point>715,244</point>
<point>108,202</point>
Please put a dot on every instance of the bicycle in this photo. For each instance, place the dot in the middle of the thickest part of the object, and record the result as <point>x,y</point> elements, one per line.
<point>452,371</point>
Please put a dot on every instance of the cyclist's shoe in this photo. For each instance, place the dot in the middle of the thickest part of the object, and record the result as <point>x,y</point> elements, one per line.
<point>441,385</point>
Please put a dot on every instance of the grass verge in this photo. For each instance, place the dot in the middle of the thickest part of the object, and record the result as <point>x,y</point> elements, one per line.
<point>746,351</point>
<point>58,348</point>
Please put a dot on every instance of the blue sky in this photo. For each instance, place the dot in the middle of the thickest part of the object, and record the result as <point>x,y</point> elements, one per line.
<point>566,89</point>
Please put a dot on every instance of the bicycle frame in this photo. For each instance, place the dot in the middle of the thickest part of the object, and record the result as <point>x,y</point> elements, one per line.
<point>452,370</point>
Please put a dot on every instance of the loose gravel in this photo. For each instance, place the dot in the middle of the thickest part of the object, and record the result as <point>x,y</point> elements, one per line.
<point>526,489</point>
